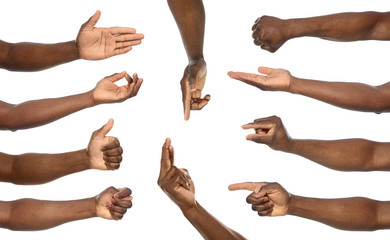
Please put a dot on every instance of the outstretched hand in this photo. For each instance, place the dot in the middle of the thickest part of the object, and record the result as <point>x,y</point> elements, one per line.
<point>113,203</point>
<point>104,152</point>
<point>176,183</point>
<point>100,43</point>
<point>267,199</point>
<point>270,131</point>
<point>273,80</point>
<point>192,85</point>
<point>106,91</point>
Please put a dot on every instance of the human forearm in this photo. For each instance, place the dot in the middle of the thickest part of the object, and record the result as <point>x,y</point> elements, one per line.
<point>39,112</point>
<point>343,155</point>
<point>354,96</point>
<point>347,213</point>
<point>208,226</point>
<point>35,168</point>
<point>342,26</point>
<point>36,56</point>
<point>31,214</point>
<point>190,18</point>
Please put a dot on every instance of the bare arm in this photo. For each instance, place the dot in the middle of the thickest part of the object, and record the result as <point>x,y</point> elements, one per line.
<point>360,214</point>
<point>354,96</point>
<point>343,155</point>
<point>36,56</point>
<point>91,44</point>
<point>39,112</point>
<point>271,33</point>
<point>190,18</point>
<point>31,214</point>
<point>103,152</point>
<point>208,226</point>
<point>178,185</point>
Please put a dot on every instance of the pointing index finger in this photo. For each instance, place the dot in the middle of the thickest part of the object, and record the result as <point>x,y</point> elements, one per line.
<point>251,186</point>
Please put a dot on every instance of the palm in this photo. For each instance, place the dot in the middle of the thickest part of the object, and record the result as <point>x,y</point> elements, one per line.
<point>95,152</point>
<point>280,199</point>
<point>107,91</point>
<point>278,80</point>
<point>96,43</point>
<point>104,200</point>
<point>184,197</point>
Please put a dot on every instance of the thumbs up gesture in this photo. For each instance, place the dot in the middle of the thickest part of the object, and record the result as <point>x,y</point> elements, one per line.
<point>104,152</point>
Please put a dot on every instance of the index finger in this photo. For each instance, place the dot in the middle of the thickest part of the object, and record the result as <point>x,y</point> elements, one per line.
<point>165,157</point>
<point>258,125</point>
<point>121,30</point>
<point>251,186</point>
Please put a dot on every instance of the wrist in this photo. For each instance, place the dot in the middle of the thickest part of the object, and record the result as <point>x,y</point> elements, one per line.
<point>293,206</point>
<point>74,50</point>
<point>86,159</point>
<point>294,84</point>
<point>190,210</point>
<point>91,98</point>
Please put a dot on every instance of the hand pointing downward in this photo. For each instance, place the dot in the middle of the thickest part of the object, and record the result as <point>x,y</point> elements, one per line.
<point>105,153</point>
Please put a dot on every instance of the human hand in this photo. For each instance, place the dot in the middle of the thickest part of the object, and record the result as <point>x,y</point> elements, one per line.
<point>104,152</point>
<point>106,91</point>
<point>270,131</point>
<point>267,199</point>
<point>270,33</point>
<point>192,84</point>
<point>176,183</point>
<point>113,203</point>
<point>274,79</point>
<point>100,43</point>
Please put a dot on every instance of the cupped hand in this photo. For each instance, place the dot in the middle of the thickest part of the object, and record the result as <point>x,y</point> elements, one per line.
<point>106,91</point>
<point>273,80</point>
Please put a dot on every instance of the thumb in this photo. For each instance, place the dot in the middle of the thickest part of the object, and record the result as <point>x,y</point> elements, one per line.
<point>93,20</point>
<point>266,70</point>
<point>192,79</point>
<point>102,132</point>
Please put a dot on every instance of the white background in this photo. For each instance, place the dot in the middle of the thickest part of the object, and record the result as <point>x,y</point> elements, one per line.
<point>211,145</point>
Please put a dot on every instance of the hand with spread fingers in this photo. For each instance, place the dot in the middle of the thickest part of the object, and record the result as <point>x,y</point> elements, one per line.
<point>113,203</point>
<point>175,182</point>
<point>270,131</point>
<point>100,43</point>
<point>104,152</point>
<point>267,199</point>
<point>192,85</point>
<point>106,91</point>
<point>270,33</point>
<point>273,80</point>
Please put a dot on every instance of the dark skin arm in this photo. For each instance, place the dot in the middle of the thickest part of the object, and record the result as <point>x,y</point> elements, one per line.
<point>355,214</point>
<point>31,214</point>
<point>40,112</point>
<point>179,187</point>
<point>103,152</point>
<point>348,95</point>
<point>342,155</point>
<point>91,44</point>
<point>270,33</point>
<point>190,18</point>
